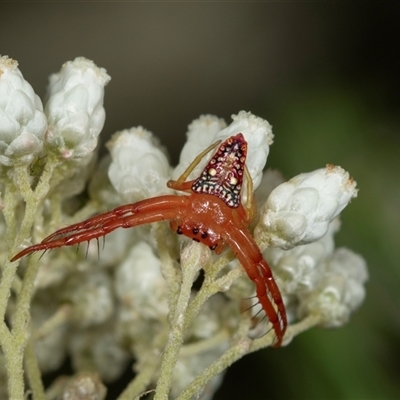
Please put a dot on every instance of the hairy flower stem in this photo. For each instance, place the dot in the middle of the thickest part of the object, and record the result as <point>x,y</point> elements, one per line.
<point>33,372</point>
<point>138,385</point>
<point>191,264</point>
<point>169,268</point>
<point>234,353</point>
<point>210,286</point>
<point>14,354</point>
<point>15,340</point>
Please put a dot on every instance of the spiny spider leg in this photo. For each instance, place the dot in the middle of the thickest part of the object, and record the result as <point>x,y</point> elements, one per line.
<point>148,205</point>
<point>143,212</point>
<point>249,255</point>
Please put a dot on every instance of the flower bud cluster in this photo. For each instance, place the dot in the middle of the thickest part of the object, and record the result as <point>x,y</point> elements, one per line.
<point>139,167</point>
<point>297,223</point>
<point>121,298</point>
<point>299,211</point>
<point>74,109</point>
<point>22,121</point>
<point>339,291</point>
<point>318,279</point>
<point>74,113</point>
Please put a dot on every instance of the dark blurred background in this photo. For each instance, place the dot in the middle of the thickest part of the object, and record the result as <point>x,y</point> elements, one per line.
<point>325,75</point>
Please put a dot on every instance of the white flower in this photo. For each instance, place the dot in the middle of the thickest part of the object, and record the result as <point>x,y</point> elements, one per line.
<point>299,211</point>
<point>91,296</point>
<point>84,386</point>
<point>22,121</point>
<point>139,284</point>
<point>99,349</point>
<point>51,349</point>
<point>340,292</point>
<point>300,269</point>
<point>271,178</point>
<point>139,167</point>
<point>75,108</point>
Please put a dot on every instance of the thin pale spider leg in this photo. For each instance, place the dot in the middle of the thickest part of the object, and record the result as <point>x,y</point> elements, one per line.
<point>249,206</point>
<point>144,212</point>
<point>180,183</point>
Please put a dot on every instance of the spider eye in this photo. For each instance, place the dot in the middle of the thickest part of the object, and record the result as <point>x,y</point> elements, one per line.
<point>212,171</point>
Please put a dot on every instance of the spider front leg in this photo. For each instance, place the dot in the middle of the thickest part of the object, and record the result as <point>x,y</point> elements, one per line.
<point>181,184</point>
<point>127,216</point>
<point>249,255</point>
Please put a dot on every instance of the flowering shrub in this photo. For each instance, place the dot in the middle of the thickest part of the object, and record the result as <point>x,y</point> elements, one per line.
<point>128,298</point>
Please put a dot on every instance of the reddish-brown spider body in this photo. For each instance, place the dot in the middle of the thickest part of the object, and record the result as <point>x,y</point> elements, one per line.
<point>205,218</point>
<point>211,214</point>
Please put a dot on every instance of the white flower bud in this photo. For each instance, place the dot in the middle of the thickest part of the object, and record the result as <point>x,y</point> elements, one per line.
<point>51,349</point>
<point>299,211</point>
<point>340,292</point>
<point>100,188</point>
<point>201,134</point>
<point>109,357</point>
<point>216,313</point>
<point>111,249</point>
<point>139,167</point>
<point>75,108</point>
<point>91,296</point>
<point>300,269</point>
<point>98,349</point>
<point>270,180</point>
<point>139,283</point>
<point>84,386</point>
<point>22,121</point>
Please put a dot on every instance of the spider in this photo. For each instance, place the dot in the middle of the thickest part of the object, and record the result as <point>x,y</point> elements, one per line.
<point>211,214</point>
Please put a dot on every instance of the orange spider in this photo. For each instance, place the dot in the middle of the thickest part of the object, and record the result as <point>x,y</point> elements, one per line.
<point>212,214</point>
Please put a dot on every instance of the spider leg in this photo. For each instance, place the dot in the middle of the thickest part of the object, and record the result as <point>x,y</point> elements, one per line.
<point>250,205</point>
<point>249,255</point>
<point>127,216</point>
<point>181,183</point>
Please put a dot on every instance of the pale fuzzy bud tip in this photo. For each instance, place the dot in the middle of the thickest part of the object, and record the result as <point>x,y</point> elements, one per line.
<point>75,108</point>
<point>139,167</point>
<point>22,121</point>
<point>299,211</point>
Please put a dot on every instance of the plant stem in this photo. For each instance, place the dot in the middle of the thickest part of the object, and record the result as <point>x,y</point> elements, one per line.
<point>13,354</point>
<point>33,372</point>
<point>191,263</point>
<point>233,354</point>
